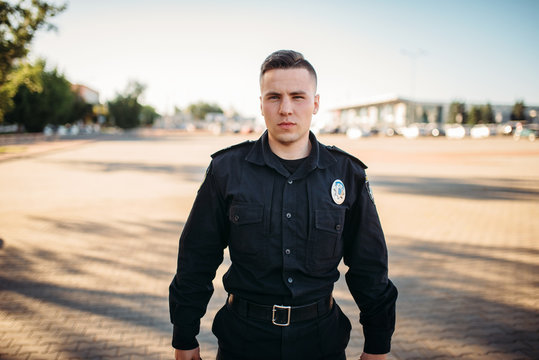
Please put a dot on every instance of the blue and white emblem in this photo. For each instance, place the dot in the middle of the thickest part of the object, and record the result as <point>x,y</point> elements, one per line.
<point>338,192</point>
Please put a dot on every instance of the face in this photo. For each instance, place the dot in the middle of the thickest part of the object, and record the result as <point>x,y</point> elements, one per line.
<point>288,101</point>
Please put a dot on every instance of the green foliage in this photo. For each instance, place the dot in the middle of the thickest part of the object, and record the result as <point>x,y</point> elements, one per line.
<point>18,24</point>
<point>474,116</point>
<point>125,112</point>
<point>23,75</point>
<point>518,112</point>
<point>148,115</point>
<point>487,115</point>
<point>125,109</point>
<point>457,111</point>
<point>53,105</point>
<point>201,109</point>
<point>82,110</point>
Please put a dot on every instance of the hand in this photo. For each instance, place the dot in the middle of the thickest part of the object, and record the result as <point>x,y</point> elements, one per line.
<point>366,356</point>
<point>187,354</point>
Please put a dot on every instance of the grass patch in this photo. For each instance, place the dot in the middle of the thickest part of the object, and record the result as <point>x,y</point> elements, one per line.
<point>12,149</point>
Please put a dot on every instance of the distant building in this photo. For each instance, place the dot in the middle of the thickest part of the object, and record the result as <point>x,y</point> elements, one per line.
<point>90,96</point>
<point>397,112</point>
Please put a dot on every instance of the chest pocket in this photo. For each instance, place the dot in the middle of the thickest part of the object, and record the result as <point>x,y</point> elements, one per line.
<point>246,230</point>
<point>325,245</point>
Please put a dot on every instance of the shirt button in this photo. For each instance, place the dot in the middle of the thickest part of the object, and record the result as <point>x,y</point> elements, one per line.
<point>287,251</point>
<point>290,181</point>
<point>338,227</point>
<point>290,280</point>
<point>236,218</point>
<point>288,215</point>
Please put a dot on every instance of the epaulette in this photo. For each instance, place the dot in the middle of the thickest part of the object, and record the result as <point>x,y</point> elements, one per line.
<point>247,142</point>
<point>336,149</point>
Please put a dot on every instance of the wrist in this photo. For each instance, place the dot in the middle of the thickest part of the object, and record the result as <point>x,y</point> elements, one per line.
<point>366,356</point>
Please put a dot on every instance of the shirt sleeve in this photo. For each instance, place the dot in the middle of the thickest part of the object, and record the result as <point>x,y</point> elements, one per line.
<point>365,254</point>
<point>200,253</point>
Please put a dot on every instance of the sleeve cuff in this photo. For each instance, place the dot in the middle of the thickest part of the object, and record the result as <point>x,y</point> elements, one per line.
<point>377,341</point>
<point>181,341</point>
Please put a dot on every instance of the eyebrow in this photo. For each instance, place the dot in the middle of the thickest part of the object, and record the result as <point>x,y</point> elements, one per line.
<point>293,93</point>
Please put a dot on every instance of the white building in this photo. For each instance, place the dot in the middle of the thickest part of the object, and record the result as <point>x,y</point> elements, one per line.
<point>90,96</point>
<point>394,112</point>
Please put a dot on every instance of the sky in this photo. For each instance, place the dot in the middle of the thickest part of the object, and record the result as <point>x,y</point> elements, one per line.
<point>475,51</point>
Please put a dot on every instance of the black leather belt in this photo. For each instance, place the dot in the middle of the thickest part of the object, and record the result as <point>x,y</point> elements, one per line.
<point>280,315</point>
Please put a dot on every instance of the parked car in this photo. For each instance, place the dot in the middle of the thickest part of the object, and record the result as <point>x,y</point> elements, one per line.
<point>435,130</point>
<point>412,131</point>
<point>455,131</point>
<point>531,132</point>
<point>388,130</point>
<point>479,132</point>
<point>509,128</point>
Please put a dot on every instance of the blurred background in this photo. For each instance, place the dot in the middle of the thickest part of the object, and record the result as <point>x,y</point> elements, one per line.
<point>110,110</point>
<point>393,67</point>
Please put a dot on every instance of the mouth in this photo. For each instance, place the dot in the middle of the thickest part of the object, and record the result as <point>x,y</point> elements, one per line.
<point>286,124</point>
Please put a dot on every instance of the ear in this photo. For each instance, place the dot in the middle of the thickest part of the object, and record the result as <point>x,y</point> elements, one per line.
<point>316,103</point>
<point>261,109</point>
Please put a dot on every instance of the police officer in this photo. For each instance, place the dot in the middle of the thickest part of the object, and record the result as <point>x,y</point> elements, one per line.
<point>289,209</point>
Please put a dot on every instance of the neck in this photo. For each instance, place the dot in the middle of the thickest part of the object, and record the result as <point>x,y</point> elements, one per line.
<point>298,149</point>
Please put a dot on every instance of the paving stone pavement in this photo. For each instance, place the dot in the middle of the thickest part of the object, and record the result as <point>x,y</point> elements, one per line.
<point>89,237</point>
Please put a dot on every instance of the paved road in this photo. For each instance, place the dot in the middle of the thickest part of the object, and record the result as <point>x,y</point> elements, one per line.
<point>89,240</point>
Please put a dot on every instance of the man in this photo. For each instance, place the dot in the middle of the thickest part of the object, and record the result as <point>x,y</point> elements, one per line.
<point>288,208</point>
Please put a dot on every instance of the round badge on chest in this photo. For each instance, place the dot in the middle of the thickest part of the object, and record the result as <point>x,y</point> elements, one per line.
<point>338,192</point>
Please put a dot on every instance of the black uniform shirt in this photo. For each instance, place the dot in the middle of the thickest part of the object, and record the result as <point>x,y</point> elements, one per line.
<point>286,236</point>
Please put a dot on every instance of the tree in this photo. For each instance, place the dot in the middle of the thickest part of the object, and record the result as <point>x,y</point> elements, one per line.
<point>54,104</point>
<point>201,109</point>
<point>518,112</point>
<point>148,115</point>
<point>475,115</point>
<point>26,75</point>
<point>18,24</point>
<point>457,113</point>
<point>125,109</point>
<point>82,110</point>
<point>487,115</point>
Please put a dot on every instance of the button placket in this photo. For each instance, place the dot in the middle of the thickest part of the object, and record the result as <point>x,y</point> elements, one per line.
<point>289,207</point>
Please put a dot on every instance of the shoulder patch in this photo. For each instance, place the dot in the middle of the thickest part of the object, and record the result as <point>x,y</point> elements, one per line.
<point>236,146</point>
<point>336,149</point>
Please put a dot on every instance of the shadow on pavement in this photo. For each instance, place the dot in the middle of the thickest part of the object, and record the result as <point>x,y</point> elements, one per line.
<point>93,296</point>
<point>477,189</point>
<point>456,299</point>
<point>462,299</point>
<point>190,172</point>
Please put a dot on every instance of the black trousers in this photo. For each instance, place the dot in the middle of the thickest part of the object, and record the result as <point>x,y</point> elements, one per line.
<point>243,338</point>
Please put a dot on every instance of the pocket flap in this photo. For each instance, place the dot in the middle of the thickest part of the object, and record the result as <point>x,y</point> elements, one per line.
<point>245,214</point>
<point>329,220</point>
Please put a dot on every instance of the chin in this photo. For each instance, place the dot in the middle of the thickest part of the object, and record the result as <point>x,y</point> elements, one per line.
<point>287,138</point>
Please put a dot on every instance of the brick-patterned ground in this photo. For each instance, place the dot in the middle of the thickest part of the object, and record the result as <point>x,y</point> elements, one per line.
<point>89,241</point>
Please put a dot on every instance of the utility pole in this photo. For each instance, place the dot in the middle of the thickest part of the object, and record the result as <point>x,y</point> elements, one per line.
<point>413,55</point>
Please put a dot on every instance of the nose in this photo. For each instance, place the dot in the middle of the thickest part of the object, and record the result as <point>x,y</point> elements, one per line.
<point>286,107</point>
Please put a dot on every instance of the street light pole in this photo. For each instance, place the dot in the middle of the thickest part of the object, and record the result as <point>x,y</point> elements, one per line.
<point>413,55</point>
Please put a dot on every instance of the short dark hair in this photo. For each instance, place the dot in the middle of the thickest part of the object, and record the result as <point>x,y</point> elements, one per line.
<point>287,59</point>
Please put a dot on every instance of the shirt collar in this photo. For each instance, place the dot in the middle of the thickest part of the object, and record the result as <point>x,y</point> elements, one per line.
<point>319,157</point>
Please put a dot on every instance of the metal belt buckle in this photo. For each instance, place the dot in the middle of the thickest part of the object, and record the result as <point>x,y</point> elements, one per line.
<point>277,308</point>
